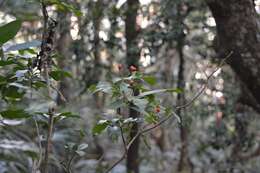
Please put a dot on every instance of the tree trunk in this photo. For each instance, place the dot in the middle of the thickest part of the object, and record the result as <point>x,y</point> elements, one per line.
<point>63,48</point>
<point>133,55</point>
<point>97,70</point>
<point>238,32</point>
<point>184,162</point>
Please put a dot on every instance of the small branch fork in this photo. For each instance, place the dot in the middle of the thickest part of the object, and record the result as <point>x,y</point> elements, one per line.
<point>148,129</point>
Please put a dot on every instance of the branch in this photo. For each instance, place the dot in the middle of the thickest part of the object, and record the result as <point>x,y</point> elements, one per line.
<point>40,144</point>
<point>45,64</point>
<point>146,130</point>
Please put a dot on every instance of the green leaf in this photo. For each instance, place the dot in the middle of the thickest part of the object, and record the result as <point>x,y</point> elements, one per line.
<point>117,104</point>
<point>100,127</point>
<point>69,115</point>
<point>147,93</point>
<point>12,92</point>
<point>82,146</point>
<point>62,6</point>
<point>150,80</point>
<point>14,114</point>
<point>140,103</point>
<point>38,84</point>
<point>9,30</point>
<point>80,153</point>
<point>60,74</point>
<point>6,62</point>
<point>175,90</point>
<point>104,87</point>
<point>92,89</point>
<point>2,79</point>
<point>151,118</point>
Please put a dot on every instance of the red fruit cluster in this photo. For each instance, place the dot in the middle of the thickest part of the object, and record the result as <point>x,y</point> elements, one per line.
<point>157,109</point>
<point>132,69</point>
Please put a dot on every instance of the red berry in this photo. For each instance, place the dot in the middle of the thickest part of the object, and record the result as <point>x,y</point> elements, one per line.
<point>132,68</point>
<point>119,66</point>
<point>157,109</point>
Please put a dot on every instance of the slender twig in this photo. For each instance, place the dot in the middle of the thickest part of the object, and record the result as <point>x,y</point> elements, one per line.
<point>70,161</point>
<point>40,144</point>
<point>123,138</point>
<point>59,92</point>
<point>145,130</point>
<point>49,136</point>
<point>45,54</point>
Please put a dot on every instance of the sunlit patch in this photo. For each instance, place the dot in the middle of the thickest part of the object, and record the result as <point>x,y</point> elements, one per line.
<point>199,75</point>
<point>103,35</point>
<point>120,3</point>
<point>257,6</point>
<point>106,23</point>
<point>5,18</point>
<point>208,92</point>
<point>211,36</point>
<point>74,27</point>
<point>145,2</point>
<point>119,34</point>
<point>217,72</point>
<point>145,57</point>
<point>219,94</point>
<point>104,56</point>
<point>211,21</point>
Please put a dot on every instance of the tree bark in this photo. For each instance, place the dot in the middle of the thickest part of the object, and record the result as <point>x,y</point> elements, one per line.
<point>133,55</point>
<point>97,70</point>
<point>63,48</point>
<point>238,32</point>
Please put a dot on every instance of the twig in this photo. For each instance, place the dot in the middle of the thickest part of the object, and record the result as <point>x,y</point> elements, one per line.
<point>48,146</point>
<point>145,130</point>
<point>204,86</point>
<point>70,161</point>
<point>123,138</point>
<point>58,91</point>
<point>45,64</point>
<point>40,144</point>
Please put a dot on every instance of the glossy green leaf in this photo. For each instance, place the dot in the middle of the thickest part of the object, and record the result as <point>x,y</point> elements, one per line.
<point>6,62</point>
<point>8,31</point>
<point>150,80</point>
<point>69,115</point>
<point>12,92</point>
<point>175,90</point>
<point>100,127</point>
<point>14,114</point>
<point>59,74</point>
<point>151,118</point>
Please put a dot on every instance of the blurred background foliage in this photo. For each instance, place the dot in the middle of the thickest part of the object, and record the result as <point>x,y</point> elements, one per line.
<point>90,45</point>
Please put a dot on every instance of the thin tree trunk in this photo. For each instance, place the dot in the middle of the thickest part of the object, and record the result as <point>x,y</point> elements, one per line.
<point>184,162</point>
<point>63,48</point>
<point>97,70</point>
<point>133,55</point>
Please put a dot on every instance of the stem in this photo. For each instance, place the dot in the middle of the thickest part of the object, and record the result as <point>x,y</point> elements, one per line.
<point>48,146</point>
<point>45,57</point>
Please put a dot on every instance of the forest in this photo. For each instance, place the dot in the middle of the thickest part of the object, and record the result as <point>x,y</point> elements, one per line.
<point>129,86</point>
